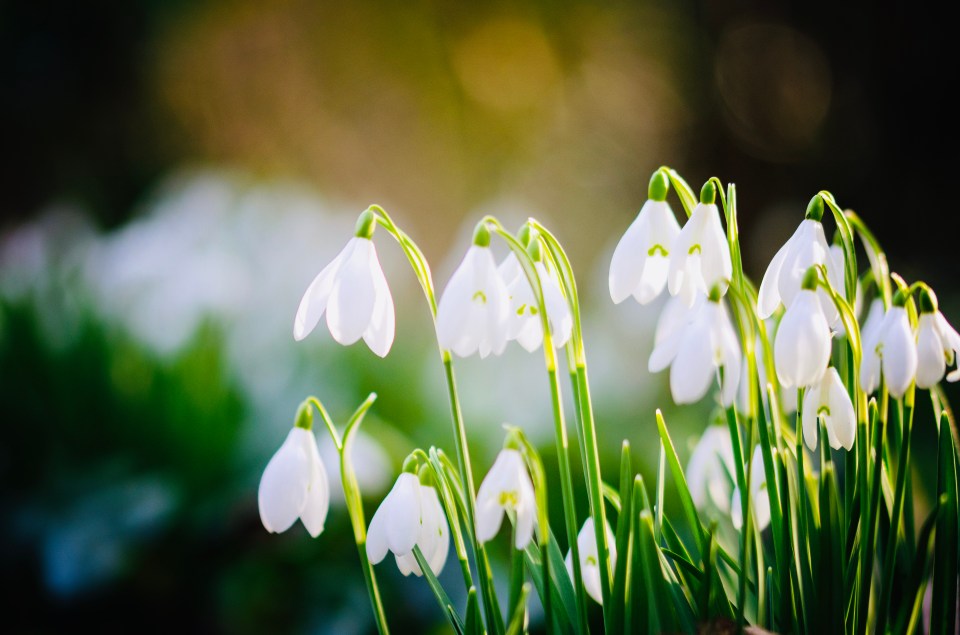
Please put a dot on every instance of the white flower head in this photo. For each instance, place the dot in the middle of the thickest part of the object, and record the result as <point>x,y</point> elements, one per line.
<point>353,292</point>
<point>396,525</point>
<point>937,343</point>
<point>759,498</point>
<point>897,348</point>
<point>434,538</point>
<point>590,568</point>
<point>473,313</point>
<point>696,351</point>
<point>806,248</point>
<point>801,349</point>
<point>506,486</point>
<point>524,323</point>
<point>641,259</point>
<point>700,256</point>
<point>711,471</point>
<point>830,400</point>
<point>294,485</point>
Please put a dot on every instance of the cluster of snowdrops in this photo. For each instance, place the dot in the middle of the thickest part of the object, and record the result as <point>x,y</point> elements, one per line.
<point>833,514</point>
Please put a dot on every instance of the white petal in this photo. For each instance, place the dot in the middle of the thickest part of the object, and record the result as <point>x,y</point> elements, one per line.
<point>283,486</point>
<point>725,339</point>
<point>526,521</point>
<point>626,266</point>
<point>705,470</point>
<point>716,263</point>
<point>353,296</point>
<point>314,301</point>
<point>530,336</point>
<point>403,527</point>
<point>842,425</point>
<point>408,564</point>
<point>808,248</point>
<point>812,400</point>
<point>680,251</point>
<point>802,345</point>
<point>453,332</point>
<point>434,530</point>
<point>380,332</point>
<point>899,351</point>
<point>931,364</point>
<point>314,513</point>
<point>510,270</point>
<point>674,316</point>
<point>769,296</point>
<point>558,309</point>
<point>692,369</point>
<point>665,352</point>
<point>489,515</point>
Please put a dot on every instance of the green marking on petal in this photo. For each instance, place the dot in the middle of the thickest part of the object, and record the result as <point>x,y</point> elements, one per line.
<point>823,411</point>
<point>533,310</point>
<point>481,296</point>
<point>591,561</point>
<point>508,498</point>
<point>694,250</point>
<point>521,309</point>
<point>658,247</point>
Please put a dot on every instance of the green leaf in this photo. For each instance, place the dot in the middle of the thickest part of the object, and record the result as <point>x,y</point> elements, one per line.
<point>687,198</point>
<point>559,584</point>
<point>473,624</point>
<point>445,604</point>
<point>518,619</point>
<point>686,500</point>
<point>943,613</point>
<point>620,592</point>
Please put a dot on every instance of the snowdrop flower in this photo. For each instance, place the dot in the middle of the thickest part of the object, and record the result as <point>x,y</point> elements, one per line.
<point>801,349</point>
<point>641,260</point>
<point>506,486</point>
<point>524,323</point>
<point>695,352</point>
<point>937,343</point>
<point>294,484</point>
<point>589,560</point>
<point>759,499</point>
<point>831,401</point>
<point>700,257</point>
<point>353,292</point>
<point>474,308</point>
<point>396,525</point>
<point>870,339</point>
<point>892,348</point>
<point>710,471</point>
<point>806,248</point>
<point>434,539</point>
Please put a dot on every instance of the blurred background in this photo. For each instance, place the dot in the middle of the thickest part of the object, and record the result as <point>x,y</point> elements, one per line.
<point>179,171</point>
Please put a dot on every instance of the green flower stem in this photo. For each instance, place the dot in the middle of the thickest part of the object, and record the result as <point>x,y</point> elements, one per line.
<point>585,415</point>
<point>354,501</point>
<point>903,466</point>
<point>422,270</point>
<point>560,427</point>
<point>870,519</point>
<point>743,486</point>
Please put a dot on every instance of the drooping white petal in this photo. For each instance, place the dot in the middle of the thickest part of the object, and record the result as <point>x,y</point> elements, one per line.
<point>931,361</point>
<point>802,345</point>
<point>727,352</point>
<point>716,264</point>
<point>808,248</point>
<point>314,301</point>
<point>434,531</point>
<point>769,295</point>
<point>870,341</point>
<point>759,498</point>
<point>396,524</point>
<point>693,369</point>
<point>626,265</point>
<point>526,517</point>
<point>314,513</point>
<point>284,485</point>
<point>842,425</point>
<point>812,400</point>
<point>558,309</point>
<point>353,296</point>
<point>380,331</point>
<point>510,269</point>
<point>453,330</point>
<point>674,316</point>
<point>898,351</point>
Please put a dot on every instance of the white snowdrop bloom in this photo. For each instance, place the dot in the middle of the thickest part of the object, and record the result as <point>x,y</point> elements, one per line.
<point>641,259</point>
<point>434,539</point>
<point>506,486</point>
<point>474,308</point>
<point>801,349</point>
<point>353,292</point>
<point>396,525</point>
<point>897,347</point>
<point>759,498</point>
<point>937,346</point>
<point>695,352</point>
<point>869,342</point>
<point>524,324</point>
<point>836,276</point>
<point>700,255</point>
<point>294,485</point>
<point>830,400</point>
<point>674,316</point>
<point>782,281</point>
<point>711,473</point>
<point>590,570</point>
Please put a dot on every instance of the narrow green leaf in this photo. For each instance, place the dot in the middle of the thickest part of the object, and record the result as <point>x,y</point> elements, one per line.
<point>619,592</point>
<point>686,500</point>
<point>687,198</point>
<point>445,604</point>
<point>943,613</point>
<point>473,624</point>
<point>518,618</point>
